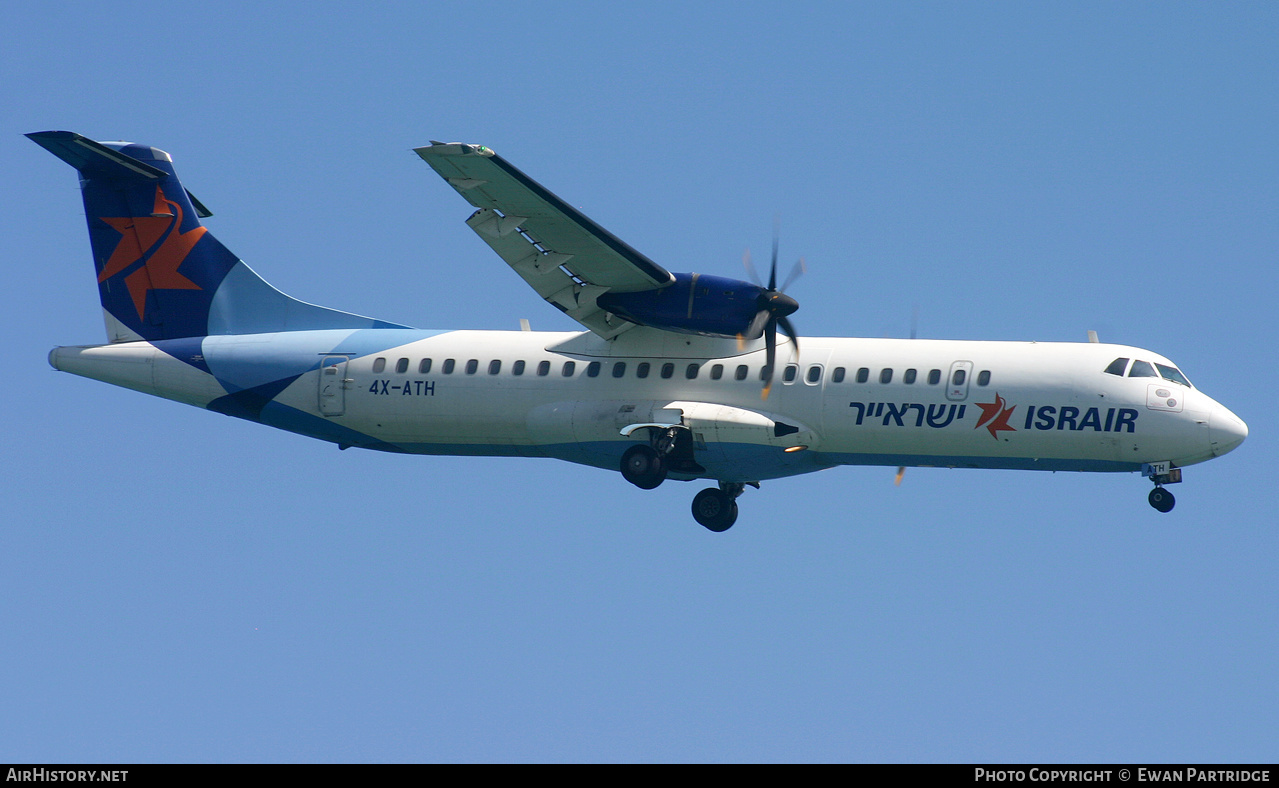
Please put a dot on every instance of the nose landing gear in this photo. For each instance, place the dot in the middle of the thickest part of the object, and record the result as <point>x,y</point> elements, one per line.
<point>1161,473</point>
<point>1162,500</point>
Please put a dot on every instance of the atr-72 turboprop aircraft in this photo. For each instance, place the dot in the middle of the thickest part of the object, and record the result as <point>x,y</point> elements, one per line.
<point>671,379</point>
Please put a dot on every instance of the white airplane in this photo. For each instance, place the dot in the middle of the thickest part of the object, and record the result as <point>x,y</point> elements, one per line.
<point>671,380</point>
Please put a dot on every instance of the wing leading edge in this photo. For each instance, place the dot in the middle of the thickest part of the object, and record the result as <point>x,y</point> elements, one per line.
<point>567,258</point>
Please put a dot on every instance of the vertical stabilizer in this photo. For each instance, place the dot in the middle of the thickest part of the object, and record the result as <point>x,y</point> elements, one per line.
<point>161,274</point>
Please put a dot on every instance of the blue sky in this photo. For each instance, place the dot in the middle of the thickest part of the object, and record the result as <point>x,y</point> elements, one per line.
<point>179,586</point>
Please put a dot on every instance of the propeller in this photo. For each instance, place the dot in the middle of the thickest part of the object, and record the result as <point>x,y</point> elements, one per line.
<point>773,310</point>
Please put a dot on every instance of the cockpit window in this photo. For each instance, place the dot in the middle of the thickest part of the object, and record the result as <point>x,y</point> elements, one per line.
<point>1117,367</point>
<point>1173,374</point>
<point>1142,369</point>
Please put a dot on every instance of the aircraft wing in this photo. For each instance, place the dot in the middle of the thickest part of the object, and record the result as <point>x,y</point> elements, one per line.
<point>567,258</point>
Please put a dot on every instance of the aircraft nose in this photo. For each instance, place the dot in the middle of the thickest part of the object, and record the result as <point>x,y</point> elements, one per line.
<point>1225,430</point>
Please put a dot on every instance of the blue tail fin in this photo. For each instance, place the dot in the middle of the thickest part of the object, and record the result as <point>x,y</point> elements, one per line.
<point>161,275</point>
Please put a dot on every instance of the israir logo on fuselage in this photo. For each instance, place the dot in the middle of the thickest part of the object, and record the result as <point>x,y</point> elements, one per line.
<point>995,415</point>
<point>150,250</point>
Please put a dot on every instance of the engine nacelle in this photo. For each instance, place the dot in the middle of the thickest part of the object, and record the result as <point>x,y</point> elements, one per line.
<point>694,304</point>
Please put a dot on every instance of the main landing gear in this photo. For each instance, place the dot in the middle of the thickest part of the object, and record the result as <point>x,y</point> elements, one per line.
<point>1161,473</point>
<point>671,449</point>
<point>643,467</point>
<point>668,449</point>
<point>716,507</point>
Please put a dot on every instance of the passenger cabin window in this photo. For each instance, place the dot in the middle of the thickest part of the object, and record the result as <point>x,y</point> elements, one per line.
<point>790,372</point>
<point>471,366</point>
<point>641,369</point>
<point>814,373</point>
<point>1117,367</point>
<point>424,366</point>
<point>886,376</point>
<point>569,368</point>
<point>958,378</point>
<point>495,367</point>
<point>402,366</point>
<point>691,372</point>
<point>448,366</point>
<point>593,369</point>
<point>517,368</point>
<point>742,372</point>
<point>543,368</point>
<point>619,369</point>
<point>983,378</point>
<point>1142,369</point>
<point>863,375</point>
<point>717,372</point>
<point>379,364</point>
<point>838,375</point>
<point>934,377</point>
<point>668,369</point>
<point>909,377</point>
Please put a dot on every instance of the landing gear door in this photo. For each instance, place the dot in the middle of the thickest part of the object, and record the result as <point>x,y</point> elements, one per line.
<point>333,386</point>
<point>957,381</point>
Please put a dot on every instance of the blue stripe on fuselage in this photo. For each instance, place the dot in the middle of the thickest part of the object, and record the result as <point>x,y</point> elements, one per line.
<point>254,360</point>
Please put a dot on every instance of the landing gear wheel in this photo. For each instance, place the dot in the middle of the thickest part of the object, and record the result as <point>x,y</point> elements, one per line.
<point>1162,500</point>
<point>715,509</point>
<point>643,467</point>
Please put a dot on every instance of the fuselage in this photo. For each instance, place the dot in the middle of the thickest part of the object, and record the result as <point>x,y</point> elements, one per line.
<point>975,404</point>
<point>671,379</point>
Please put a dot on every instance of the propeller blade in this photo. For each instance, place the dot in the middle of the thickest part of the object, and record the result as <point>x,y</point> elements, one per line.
<point>772,271</point>
<point>770,356</point>
<point>901,471</point>
<point>790,332</point>
<point>756,329</point>
<point>799,270</point>
<point>750,269</point>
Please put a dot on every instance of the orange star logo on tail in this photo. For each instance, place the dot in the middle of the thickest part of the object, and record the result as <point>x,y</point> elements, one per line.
<point>994,416</point>
<point>157,235</point>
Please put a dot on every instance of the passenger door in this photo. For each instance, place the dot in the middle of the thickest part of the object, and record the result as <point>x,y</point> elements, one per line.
<point>957,382</point>
<point>333,386</point>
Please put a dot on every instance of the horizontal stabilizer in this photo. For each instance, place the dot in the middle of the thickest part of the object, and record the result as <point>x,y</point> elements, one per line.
<point>89,156</point>
<point>94,158</point>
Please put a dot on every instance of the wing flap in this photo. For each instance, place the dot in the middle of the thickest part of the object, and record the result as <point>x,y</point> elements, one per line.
<point>545,272</point>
